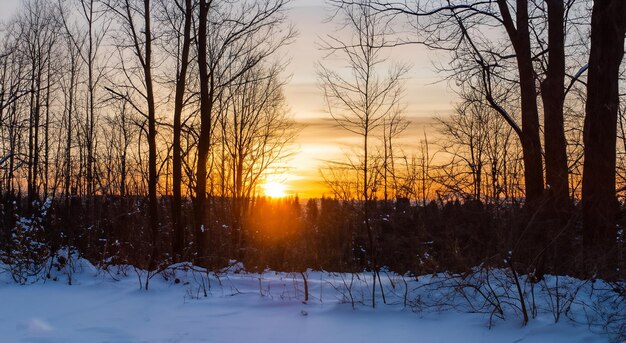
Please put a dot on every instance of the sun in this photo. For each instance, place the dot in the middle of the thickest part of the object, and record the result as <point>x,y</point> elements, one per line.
<point>274,190</point>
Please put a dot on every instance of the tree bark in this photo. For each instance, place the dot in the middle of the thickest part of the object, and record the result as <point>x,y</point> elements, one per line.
<point>553,94</point>
<point>153,220</point>
<point>91,88</point>
<point>531,143</point>
<point>206,106</point>
<point>177,227</point>
<point>599,204</point>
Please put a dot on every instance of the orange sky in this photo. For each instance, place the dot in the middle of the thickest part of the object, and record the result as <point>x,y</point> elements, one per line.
<point>319,140</point>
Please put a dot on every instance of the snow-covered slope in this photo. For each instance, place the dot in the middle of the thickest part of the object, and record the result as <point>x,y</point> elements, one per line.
<point>242,307</point>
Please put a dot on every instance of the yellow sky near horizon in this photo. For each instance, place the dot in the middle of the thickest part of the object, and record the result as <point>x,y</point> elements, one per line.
<point>426,96</point>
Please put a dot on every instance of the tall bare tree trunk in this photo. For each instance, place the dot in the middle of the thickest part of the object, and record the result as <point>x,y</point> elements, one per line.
<point>145,58</point>
<point>206,107</point>
<point>46,163</point>
<point>33,136</point>
<point>608,27</point>
<point>531,142</point>
<point>177,227</point>
<point>31,147</point>
<point>90,118</point>
<point>553,94</point>
<point>70,113</point>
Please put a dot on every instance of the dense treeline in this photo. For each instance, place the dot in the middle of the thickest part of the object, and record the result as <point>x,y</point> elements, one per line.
<point>293,235</point>
<point>139,132</point>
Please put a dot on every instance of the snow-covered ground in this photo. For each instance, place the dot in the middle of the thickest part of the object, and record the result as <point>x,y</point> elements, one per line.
<point>242,307</point>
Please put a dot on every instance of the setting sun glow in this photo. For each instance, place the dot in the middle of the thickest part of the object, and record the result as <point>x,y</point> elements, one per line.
<point>274,190</point>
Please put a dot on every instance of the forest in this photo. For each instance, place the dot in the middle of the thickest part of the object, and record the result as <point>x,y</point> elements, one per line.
<point>141,133</point>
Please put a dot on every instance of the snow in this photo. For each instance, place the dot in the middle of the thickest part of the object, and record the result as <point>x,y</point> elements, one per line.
<point>109,306</point>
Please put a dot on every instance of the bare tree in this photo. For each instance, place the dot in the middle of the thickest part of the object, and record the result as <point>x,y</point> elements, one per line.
<point>534,29</point>
<point>120,133</point>
<point>177,15</point>
<point>206,121</point>
<point>239,37</point>
<point>360,100</point>
<point>478,139</point>
<point>69,87</point>
<point>392,127</point>
<point>466,138</point>
<point>424,163</point>
<point>39,35</point>
<point>135,23</point>
<point>608,28</point>
<point>256,133</point>
<point>14,90</point>
<point>87,38</point>
<point>553,96</point>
